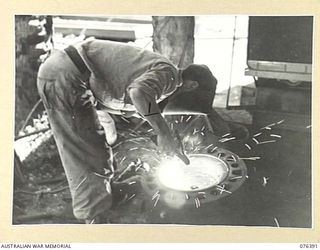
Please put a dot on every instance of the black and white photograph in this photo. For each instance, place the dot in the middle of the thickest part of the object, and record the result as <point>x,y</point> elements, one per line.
<point>163,120</point>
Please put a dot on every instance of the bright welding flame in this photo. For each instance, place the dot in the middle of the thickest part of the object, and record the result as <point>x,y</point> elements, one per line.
<point>169,172</point>
<point>202,173</point>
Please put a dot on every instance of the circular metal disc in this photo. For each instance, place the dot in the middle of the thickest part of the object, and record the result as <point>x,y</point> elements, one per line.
<point>203,172</point>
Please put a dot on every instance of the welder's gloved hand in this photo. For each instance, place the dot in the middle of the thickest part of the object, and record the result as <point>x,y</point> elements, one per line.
<point>123,191</point>
<point>108,125</point>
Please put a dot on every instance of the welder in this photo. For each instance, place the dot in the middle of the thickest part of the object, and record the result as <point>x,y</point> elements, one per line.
<point>81,86</point>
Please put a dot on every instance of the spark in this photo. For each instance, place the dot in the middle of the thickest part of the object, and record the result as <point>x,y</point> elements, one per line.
<point>214,149</point>
<point>171,125</point>
<point>276,221</point>
<point>234,158</point>
<point>309,126</point>
<point>176,121</point>
<point>131,197</point>
<point>265,181</point>
<point>257,134</point>
<point>203,128</point>
<point>207,147</point>
<point>247,176</point>
<point>222,189</point>
<point>156,202</point>
<point>250,158</point>
<point>197,202</point>
<point>247,146</point>
<point>274,135</point>
<point>194,131</point>
<point>133,182</point>
<point>199,143</point>
<point>136,142</point>
<point>187,197</point>
<point>265,142</point>
<point>188,118</point>
<point>138,167</point>
<point>122,160</point>
<point>155,195</point>
<point>279,122</point>
<point>181,119</point>
<point>149,130</point>
<point>196,149</point>
<point>269,126</point>
<point>226,135</point>
<point>124,119</point>
<point>201,133</point>
<point>255,140</point>
<point>131,149</point>
<point>227,139</point>
<point>125,170</point>
<point>236,177</point>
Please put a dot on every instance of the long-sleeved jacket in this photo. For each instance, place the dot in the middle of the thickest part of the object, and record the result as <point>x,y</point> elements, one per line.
<point>117,67</point>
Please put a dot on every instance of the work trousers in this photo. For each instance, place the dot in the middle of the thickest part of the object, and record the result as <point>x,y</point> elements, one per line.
<point>85,155</point>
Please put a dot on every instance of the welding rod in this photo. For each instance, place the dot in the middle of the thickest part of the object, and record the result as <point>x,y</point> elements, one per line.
<point>181,155</point>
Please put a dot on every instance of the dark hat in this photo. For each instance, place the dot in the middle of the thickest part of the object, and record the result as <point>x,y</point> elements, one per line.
<point>202,74</point>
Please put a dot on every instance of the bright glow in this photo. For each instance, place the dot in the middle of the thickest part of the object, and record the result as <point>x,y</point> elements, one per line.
<point>174,200</point>
<point>203,172</point>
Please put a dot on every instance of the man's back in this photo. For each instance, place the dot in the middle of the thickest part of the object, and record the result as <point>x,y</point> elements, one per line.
<point>116,65</point>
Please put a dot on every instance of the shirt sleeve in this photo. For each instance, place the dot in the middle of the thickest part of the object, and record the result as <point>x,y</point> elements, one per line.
<point>159,81</point>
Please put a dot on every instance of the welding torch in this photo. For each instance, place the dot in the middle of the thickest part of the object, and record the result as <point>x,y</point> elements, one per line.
<point>179,151</point>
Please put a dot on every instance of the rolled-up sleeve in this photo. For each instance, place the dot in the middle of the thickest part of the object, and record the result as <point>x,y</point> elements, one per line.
<point>157,82</point>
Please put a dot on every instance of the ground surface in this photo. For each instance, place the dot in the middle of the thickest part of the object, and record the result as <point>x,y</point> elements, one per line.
<point>284,200</point>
